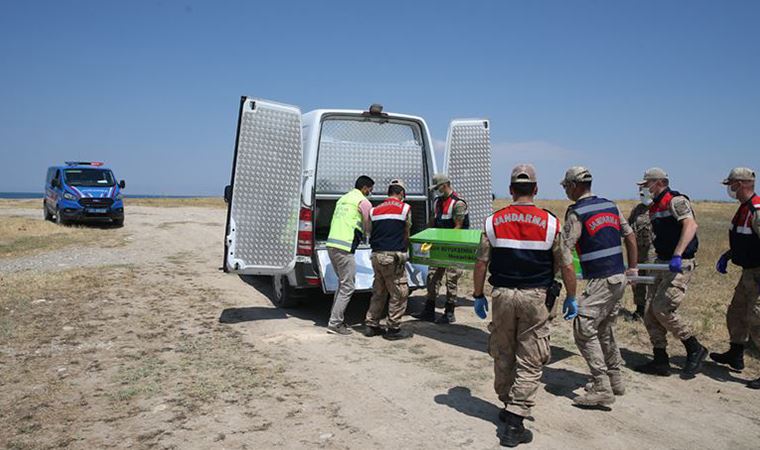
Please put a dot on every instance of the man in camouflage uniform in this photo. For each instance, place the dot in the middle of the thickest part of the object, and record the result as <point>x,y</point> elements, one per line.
<point>594,226</point>
<point>391,222</point>
<point>450,212</point>
<point>642,227</point>
<point>521,248</point>
<point>676,243</point>
<point>743,315</point>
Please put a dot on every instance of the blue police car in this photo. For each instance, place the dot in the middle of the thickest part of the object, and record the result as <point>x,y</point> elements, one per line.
<point>81,191</point>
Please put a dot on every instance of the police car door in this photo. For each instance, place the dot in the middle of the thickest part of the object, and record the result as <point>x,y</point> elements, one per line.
<point>467,161</point>
<point>264,195</point>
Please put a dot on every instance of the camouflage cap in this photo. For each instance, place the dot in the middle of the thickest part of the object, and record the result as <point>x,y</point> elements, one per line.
<point>655,173</point>
<point>438,180</point>
<point>397,182</point>
<point>523,173</point>
<point>576,174</point>
<point>740,174</point>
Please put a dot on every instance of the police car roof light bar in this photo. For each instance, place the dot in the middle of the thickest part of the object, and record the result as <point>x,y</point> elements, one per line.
<point>84,163</point>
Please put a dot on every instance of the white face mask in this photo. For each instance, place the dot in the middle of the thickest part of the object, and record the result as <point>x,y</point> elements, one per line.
<point>731,193</point>
<point>645,196</point>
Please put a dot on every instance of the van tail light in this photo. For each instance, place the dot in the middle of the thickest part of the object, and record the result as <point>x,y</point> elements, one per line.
<point>305,233</point>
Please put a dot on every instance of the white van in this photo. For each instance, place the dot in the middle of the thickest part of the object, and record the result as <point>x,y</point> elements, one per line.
<point>290,169</point>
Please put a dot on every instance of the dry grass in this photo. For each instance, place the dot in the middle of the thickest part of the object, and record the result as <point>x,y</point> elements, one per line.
<point>77,358</point>
<point>35,203</point>
<point>22,236</point>
<point>709,293</point>
<point>201,202</point>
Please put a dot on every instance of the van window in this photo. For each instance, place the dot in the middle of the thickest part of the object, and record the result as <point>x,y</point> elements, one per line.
<point>88,177</point>
<point>381,149</point>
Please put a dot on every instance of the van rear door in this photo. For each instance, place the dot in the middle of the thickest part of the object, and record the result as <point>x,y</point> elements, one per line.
<point>467,161</point>
<point>264,195</point>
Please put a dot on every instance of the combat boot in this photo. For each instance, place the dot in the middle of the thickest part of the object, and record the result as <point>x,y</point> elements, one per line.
<point>636,316</point>
<point>660,365</point>
<point>695,356</point>
<point>427,314</point>
<point>616,381</point>
<point>448,315</point>
<point>734,357</point>
<point>600,394</point>
<point>515,432</point>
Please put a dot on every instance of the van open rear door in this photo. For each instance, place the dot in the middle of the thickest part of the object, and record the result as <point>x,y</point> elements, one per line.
<point>264,195</point>
<point>468,163</point>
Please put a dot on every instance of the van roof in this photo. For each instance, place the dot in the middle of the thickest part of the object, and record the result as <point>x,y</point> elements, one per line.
<point>80,165</point>
<point>358,112</point>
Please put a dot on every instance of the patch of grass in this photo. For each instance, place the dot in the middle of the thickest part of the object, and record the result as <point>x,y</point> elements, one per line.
<point>32,203</point>
<point>22,236</point>
<point>200,202</point>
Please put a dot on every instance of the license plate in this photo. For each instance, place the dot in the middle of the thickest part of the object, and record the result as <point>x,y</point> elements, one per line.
<point>97,210</point>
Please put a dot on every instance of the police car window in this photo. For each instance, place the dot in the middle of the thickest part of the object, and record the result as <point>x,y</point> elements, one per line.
<point>89,177</point>
<point>382,149</point>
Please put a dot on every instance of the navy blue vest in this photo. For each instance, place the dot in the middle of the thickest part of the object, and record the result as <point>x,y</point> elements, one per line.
<point>444,212</point>
<point>599,248</point>
<point>521,238</point>
<point>389,226</point>
<point>666,229</point>
<point>745,244</point>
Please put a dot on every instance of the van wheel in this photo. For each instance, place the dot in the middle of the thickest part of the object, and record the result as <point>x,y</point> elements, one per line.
<point>59,219</point>
<point>46,213</point>
<point>284,295</point>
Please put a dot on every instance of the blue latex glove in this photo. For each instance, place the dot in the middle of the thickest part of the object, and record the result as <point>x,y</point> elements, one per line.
<point>722,265</point>
<point>481,306</point>
<point>570,308</point>
<point>676,264</point>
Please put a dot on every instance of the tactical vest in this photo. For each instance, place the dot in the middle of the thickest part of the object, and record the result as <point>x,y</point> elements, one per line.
<point>667,230</point>
<point>389,221</point>
<point>745,243</point>
<point>346,225</point>
<point>599,249</point>
<point>521,238</point>
<point>444,212</point>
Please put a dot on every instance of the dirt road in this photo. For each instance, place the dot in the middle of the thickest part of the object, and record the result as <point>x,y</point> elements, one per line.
<point>181,355</point>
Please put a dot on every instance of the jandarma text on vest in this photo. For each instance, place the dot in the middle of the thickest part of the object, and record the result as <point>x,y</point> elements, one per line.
<point>523,218</point>
<point>602,220</point>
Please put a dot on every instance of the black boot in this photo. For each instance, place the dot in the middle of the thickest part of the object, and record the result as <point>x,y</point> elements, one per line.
<point>448,315</point>
<point>734,357</point>
<point>427,314</point>
<point>660,365</point>
<point>754,384</point>
<point>695,355</point>
<point>514,432</point>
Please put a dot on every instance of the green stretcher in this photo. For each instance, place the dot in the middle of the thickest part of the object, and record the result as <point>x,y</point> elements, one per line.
<point>445,247</point>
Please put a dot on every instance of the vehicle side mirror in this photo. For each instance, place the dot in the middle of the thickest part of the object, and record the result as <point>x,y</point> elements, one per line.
<point>55,183</point>
<point>122,184</point>
<point>227,193</point>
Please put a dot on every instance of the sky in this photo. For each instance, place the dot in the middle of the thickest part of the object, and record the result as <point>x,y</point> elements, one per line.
<point>152,87</point>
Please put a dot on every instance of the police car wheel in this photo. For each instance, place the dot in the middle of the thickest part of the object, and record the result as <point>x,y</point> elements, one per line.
<point>283,295</point>
<point>46,212</point>
<point>59,218</point>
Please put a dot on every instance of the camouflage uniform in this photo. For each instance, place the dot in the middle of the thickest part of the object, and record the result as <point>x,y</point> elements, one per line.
<point>436,274</point>
<point>642,226</point>
<point>669,288</point>
<point>390,281</point>
<point>598,308</point>
<point>519,339</point>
